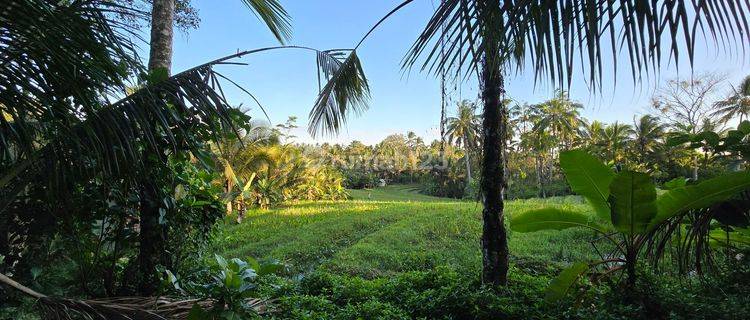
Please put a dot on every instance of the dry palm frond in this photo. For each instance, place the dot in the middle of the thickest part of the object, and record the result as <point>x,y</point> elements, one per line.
<point>122,308</point>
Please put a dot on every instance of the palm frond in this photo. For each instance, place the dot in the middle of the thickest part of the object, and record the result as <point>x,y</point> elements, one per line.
<point>58,59</point>
<point>346,91</point>
<point>347,87</point>
<point>275,17</point>
<point>191,103</point>
<point>551,36</point>
<point>110,140</point>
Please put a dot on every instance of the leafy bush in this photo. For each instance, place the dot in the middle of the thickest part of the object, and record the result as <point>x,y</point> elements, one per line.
<point>632,213</point>
<point>230,284</point>
<point>439,294</point>
<point>360,179</point>
<point>448,183</point>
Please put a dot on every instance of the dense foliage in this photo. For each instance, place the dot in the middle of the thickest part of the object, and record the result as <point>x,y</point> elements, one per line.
<point>636,220</point>
<point>653,143</point>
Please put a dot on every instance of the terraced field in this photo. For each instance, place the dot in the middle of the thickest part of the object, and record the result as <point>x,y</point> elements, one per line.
<point>387,231</point>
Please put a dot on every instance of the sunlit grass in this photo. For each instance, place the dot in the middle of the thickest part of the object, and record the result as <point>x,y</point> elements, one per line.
<point>401,193</point>
<point>392,233</point>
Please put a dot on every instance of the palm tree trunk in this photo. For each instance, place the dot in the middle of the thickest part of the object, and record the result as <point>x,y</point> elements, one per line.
<point>539,181</point>
<point>160,54</point>
<point>494,237</point>
<point>467,159</point>
<point>153,235</point>
<point>4,236</point>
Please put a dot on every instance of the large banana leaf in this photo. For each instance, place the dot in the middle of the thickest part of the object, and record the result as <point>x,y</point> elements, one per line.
<point>704,194</point>
<point>633,201</point>
<point>561,284</point>
<point>588,177</point>
<point>550,219</point>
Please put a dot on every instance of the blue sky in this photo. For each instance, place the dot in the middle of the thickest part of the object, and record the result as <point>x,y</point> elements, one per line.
<point>286,84</point>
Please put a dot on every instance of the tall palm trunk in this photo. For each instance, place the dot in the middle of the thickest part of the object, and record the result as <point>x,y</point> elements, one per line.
<point>153,235</point>
<point>160,54</point>
<point>494,237</point>
<point>540,176</point>
<point>467,159</point>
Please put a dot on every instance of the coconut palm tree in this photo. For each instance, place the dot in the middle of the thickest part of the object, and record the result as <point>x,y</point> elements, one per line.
<point>736,105</point>
<point>152,235</point>
<point>463,129</point>
<point>648,133</point>
<point>68,118</point>
<point>616,137</point>
<point>490,39</point>
<point>591,135</point>
<point>562,117</point>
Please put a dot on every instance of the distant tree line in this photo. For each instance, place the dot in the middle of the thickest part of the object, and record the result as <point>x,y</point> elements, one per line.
<point>539,132</point>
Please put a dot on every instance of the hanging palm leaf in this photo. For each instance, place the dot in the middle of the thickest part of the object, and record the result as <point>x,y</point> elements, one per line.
<point>551,36</point>
<point>162,113</point>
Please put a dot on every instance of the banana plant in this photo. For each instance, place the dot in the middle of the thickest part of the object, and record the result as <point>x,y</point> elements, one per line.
<point>627,212</point>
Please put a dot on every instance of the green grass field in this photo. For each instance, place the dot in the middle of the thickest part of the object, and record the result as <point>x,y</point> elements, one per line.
<point>390,230</point>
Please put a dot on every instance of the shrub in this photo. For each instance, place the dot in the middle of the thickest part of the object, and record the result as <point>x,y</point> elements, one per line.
<point>360,179</point>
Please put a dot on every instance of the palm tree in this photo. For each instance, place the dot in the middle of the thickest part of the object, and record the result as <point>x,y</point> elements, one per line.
<point>490,39</point>
<point>463,129</point>
<point>648,133</point>
<point>616,137</point>
<point>64,130</point>
<point>738,104</point>
<point>239,159</point>
<point>591,134</point>
<point>153,233</point>
<point>561,117</point>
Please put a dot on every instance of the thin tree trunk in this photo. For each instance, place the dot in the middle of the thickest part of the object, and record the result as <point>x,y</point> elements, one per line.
<point>153,235</point>
<point>4,240</point>
<point>468,165</point>
<point>494,238</point>
<point>695,168</point>
<point>630,268</point>
<point>539,181</point>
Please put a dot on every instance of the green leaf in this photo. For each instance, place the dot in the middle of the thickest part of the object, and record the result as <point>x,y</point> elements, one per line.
<point>633,201</point>
<point>270,267</point>
<point>221,261</point>
<point>678,139</point>
<point>675,183</point>
<point>179,192</point>
<point>711,138</point>
<point>744,127</point>
<point>197,313</point>
<point>588,177</point>
<point>550,219</point>
<point>561,284</point>
<point>704,194</point>
<point>157,75</point>
<point>253,263</point>
<point>35,272</point>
